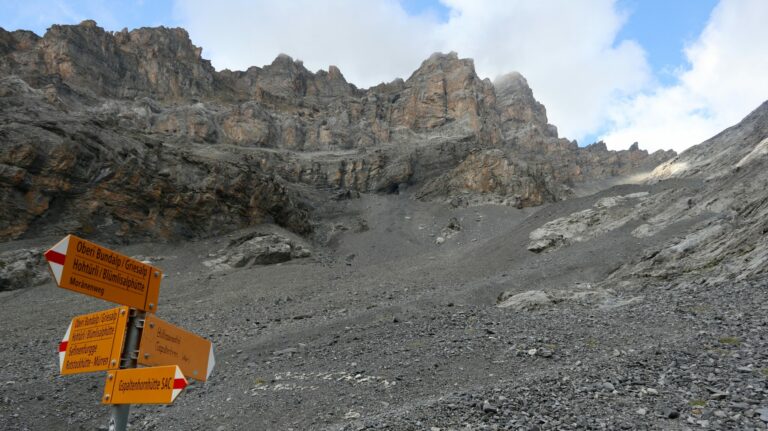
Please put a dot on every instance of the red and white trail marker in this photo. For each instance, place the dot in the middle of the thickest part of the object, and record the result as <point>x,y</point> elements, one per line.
<point>88,268</point>
<point>63,347</point>
<point>56,258</point>
<point>154,385</point>
<point>93,342</point>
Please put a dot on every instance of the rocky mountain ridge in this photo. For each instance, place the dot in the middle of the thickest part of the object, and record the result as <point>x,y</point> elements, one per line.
<point>726,201</point>
<point>716,203</point>
<point>133,130</point>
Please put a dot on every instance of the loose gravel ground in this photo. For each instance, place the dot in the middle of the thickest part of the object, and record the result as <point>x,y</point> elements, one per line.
<point>383,328</point>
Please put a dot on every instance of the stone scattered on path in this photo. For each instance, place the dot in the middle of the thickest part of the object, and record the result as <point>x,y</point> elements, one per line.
<point>257,249</point>
<point>22,268</point>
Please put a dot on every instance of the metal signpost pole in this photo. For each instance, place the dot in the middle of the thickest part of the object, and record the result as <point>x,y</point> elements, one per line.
<point>119,419</point>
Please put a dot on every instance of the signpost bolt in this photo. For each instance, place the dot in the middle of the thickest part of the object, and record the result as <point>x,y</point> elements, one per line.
<point>114,362</point>
<point>146,355</point>
<point>106,397</point>
<point>122,312</point>
<point>151,306</point>
<point>157,274</point>
<point>110,377</point>
<point>152,325</point>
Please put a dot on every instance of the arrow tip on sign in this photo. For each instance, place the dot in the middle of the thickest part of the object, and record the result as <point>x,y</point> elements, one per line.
<point>211,363</point>
<point>56,257</point>
<point>179,383</point>
<point>63,347</point>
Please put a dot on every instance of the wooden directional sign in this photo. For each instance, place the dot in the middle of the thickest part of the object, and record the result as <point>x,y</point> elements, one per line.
<point>155,385</point>
<point>93,342</point>
<point>166,344</point>
<point>88,268</point>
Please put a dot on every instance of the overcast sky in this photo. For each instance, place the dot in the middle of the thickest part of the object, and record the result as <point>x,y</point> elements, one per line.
<point>667,74</point>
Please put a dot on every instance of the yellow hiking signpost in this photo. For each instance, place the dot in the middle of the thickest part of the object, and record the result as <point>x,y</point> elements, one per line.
<point>87,268</point>
<point>166,344</point>
<point>156,385</point>
<point>119,339</point>
<point>93,342</point>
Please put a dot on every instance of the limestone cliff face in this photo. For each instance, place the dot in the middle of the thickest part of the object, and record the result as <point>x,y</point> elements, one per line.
<point>135,130</point>
<point>516,105</point>
<point>156,62</point>
<point>443,90</point>
<point>724,204</point>
<point>63,173</point>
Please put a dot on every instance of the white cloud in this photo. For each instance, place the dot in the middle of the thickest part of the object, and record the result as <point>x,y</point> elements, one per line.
<point>725,80</point>
<point>565,49</point>
<point>371,41</point>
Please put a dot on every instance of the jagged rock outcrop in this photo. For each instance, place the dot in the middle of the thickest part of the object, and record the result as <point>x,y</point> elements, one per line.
<point>22,268</point>
<point>156,62</point>
<point>586,295</point>
<point>256,249</point>
<point>742,147</point>
<point>62,173</point>
<point>713,217</point>
<point>491,173</point>
<point>606,215</point>
<point>133,132</point>
<point>726,204</point>
<point>517,106</point>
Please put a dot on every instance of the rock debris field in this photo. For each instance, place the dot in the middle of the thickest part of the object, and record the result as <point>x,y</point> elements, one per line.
<point>385,329</point>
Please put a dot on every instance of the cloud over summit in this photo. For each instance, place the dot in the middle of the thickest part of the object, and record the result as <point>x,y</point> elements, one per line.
<point>589,80</point>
